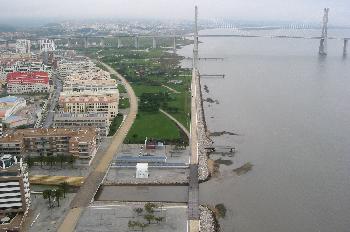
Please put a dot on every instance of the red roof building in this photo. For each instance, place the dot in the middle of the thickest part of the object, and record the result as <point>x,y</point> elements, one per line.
<point>27,82</point>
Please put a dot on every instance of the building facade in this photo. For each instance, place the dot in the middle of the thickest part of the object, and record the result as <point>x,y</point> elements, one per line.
<point>97,103</point>
<point>23,46</point>
<point>27,82</point>
<point>77,121</point>
<point>14,193</point>
<point>81,143</point>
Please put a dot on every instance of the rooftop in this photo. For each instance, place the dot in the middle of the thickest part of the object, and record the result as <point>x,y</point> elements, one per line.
<point>83,135</point>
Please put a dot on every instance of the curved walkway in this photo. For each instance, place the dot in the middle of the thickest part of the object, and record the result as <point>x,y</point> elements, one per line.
<point>182,127</point>
<point>92,182</point>
<point>171,89</point>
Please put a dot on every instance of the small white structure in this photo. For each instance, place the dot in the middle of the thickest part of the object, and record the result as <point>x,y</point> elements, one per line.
<point>142,170</point>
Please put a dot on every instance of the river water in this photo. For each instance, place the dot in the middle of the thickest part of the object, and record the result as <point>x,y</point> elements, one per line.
<point>291,110</point>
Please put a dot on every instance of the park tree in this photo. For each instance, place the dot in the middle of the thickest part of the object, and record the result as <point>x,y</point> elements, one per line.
<point>47,194</point>
<point>138,211</point>
<point>64,186</point>
<point>159,219</point>
<point>58,194</point>
<point>71,160</point>
<point>149,218</point>
<point>149,207</point>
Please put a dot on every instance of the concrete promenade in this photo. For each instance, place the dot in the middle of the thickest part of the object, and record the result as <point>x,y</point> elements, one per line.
<point>88,190</point>
<point>193,190</point>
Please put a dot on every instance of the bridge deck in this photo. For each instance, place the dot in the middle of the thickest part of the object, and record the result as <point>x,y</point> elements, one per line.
<point>193,193</point>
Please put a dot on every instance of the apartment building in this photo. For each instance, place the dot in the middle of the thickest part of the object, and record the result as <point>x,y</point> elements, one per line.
<point>80,143</point>
<point>81,120</point>
<point>90,103</point>
<point>14,193</point>
<point>90,85</point>
<point>27,82</point>
<point>67,67</point>
<point>23,46</point>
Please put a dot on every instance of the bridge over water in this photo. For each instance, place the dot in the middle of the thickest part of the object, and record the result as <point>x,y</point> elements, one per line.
<point>86,41</point>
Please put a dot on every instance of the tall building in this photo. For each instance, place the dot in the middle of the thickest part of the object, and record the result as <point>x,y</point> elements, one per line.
<point>81,143</point>
<point>23,46</point>
<point>14,193</point>
<point>27,82</point>
<point>47,45</point>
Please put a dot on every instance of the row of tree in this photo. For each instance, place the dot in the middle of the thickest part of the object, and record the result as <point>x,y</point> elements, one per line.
<point>50,160</point>
<point>56,194</point>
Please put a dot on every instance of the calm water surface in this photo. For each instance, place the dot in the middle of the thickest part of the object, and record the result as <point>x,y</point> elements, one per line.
<point>292,113</point>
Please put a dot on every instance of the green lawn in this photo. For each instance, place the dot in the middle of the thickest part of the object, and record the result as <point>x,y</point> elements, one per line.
<point>182,102</point>
<point>152,125</point>
<point>140,89</point>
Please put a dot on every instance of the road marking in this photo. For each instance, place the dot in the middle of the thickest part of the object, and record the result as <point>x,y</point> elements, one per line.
<point>35,219</point>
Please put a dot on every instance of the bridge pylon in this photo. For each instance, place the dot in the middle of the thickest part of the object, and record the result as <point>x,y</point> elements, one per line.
<point>154,45</point>
<point>136,42</point>
<point>323,42</point>
<point>345,47</point>
<point>86,42</point>
<point>119,43</point>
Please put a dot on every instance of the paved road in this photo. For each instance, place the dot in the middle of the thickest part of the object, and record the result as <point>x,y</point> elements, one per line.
<point>49,117</point>
<point>182,127</point>
<point>86,193</point>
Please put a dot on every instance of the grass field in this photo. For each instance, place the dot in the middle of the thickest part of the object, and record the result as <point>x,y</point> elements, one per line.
<point>152,125</point>
<point>147,71</point>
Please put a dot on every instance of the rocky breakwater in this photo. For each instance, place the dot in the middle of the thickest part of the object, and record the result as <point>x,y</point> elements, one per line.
<point>207,220</point>
<point>202,134</point>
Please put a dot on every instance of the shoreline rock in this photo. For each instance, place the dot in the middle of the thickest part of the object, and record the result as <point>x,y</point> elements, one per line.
<point>207,219</point>
<point>220,133</point>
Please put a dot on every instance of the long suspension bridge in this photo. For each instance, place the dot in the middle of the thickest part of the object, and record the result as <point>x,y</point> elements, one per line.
<point>284,32</point>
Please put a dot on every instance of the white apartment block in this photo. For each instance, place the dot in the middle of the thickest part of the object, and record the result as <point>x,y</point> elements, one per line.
<point>47,45</point>
<point>71,66</point>
<point>14,185</point>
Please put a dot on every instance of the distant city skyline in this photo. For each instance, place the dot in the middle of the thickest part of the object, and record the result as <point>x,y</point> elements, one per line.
<point>246,10</point>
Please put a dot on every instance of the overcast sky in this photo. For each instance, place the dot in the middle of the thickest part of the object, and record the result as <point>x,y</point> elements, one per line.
<point>282,10</point>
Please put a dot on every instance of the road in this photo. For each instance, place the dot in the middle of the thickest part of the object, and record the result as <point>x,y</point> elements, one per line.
<point>93,181</point>
<point>50,112</point>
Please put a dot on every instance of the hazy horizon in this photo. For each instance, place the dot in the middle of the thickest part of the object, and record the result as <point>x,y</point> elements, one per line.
<point>248,10</point>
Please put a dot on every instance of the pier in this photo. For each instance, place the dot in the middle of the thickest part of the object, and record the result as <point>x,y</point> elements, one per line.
<point>213,75</point>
